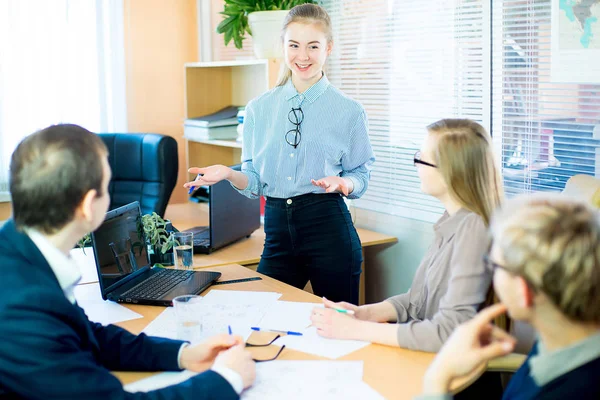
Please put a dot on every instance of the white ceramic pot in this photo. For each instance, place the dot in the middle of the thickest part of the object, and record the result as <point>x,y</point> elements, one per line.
<point>266,32</point>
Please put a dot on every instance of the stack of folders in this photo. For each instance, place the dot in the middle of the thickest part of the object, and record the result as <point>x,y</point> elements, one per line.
<point>240,128</point>
<point>219,125</point>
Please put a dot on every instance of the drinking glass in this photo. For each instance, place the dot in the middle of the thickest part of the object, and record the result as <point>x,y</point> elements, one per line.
<point>183,250</point>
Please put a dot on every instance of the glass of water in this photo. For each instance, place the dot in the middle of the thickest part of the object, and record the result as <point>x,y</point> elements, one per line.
<point>183,250</point>
<point>188,315</point>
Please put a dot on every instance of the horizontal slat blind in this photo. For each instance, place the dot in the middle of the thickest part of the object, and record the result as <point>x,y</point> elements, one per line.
<point>229,52</point>
<point>409,63</point>
<point>549,129</point>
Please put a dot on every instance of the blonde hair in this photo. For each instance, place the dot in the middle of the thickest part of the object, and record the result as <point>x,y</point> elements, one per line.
<point>305,14</point>
<point>465,158</point>
<point>554,243</point>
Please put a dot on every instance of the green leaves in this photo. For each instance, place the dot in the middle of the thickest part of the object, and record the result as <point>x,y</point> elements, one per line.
<point>234,25</point>
<point>156,233</point>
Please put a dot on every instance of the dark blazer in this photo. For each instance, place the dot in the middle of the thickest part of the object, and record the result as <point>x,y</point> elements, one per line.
<point>580,383</point>
<point>50,350</point>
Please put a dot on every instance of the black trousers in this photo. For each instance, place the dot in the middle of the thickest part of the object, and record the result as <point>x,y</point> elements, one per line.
<point>312,237</point>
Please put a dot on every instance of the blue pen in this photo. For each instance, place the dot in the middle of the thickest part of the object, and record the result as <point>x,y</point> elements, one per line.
<point>254,328</point>
<point>192,188</point>
<point>229,329</point>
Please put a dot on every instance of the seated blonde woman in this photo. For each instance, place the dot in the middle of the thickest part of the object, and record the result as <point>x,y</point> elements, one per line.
<point>546,258</point>
<point>455,165</point>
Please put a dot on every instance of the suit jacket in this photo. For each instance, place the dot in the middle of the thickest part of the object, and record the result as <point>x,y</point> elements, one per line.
<point>50,350</point>
<point>580,383</point>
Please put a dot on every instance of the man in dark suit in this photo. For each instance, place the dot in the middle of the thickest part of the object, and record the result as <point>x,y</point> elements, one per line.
<point>48,348</point>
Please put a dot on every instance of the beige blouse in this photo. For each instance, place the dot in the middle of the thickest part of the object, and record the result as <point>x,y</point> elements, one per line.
<point>449,286</point>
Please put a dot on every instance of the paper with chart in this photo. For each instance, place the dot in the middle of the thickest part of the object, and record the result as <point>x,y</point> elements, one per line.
<point>220,309</point>
<point>332,380</point>
<point>288,316</point>
<point>311,342</point>
<point>294,316</point>
<point>102,311</point>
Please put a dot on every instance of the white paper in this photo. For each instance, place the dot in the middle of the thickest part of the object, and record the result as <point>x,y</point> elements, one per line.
<point>220,309</point>
<point>240,297</point>
<point>311,342</point>
<point>288,316</point>
<point>102,311</point>
<point>330,380</point>
<point>86,263</point>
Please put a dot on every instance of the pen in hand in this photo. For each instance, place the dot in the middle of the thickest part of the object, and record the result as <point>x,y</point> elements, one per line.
<point>192,188</point>
<point>343,311</point>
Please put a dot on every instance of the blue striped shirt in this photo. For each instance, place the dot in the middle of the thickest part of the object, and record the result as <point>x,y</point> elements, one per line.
<point>334,142</point>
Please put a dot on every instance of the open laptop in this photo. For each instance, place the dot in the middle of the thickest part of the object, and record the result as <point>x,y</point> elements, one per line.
<point>232,216</point>
<point>124,269</point>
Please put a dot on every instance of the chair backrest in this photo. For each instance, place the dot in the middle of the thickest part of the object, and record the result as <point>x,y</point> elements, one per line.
<point>144,169</point>
<point>585,188</point>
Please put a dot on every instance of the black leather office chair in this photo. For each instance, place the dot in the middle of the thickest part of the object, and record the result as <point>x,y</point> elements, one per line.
<point>144,168</point>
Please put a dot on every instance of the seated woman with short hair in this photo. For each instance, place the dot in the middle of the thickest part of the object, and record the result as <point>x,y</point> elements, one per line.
<point>546,258</point>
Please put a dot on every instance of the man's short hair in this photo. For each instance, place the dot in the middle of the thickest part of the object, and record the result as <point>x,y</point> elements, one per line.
<point>50,172</point>
<point>554,242</point>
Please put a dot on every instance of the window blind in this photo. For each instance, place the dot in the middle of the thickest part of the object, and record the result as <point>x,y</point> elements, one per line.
<point>229,52</point>
<point>549,126</point>
<point>409,64</point>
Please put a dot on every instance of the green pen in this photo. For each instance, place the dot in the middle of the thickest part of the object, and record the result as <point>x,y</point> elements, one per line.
<point>341,310</point>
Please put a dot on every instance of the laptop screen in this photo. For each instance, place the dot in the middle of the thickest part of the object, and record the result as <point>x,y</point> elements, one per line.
<point>119,245</point>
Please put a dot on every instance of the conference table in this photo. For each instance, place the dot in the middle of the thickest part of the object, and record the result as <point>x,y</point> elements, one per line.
<point>247,251</point>
<point>395,373</point>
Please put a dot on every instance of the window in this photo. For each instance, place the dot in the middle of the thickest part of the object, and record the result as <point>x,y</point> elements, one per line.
<point>409,64</point>
<point>59,62</point>
<point>548,125</point>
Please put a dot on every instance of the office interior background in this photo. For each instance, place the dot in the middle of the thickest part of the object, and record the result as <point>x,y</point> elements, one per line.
<point>118,66</point>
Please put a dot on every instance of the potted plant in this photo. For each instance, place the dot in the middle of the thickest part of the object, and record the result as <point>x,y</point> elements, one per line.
<point>262,19</point>
<point>158,239</point>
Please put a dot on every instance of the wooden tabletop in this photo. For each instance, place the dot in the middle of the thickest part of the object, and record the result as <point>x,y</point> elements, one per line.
<point>246,251</point>
<point>395,373</point>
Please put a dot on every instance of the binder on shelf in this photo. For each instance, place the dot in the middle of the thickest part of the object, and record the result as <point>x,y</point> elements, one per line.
<point>221,132</point>
<point>224,117</point>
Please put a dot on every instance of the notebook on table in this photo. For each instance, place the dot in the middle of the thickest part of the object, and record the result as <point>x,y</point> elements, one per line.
<point>124,269</point>
<point>232,217</point>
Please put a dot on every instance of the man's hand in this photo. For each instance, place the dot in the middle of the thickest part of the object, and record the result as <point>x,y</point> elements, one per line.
<point>335,184</point>
<point>239,360</point>
<point>470,345</point>
<point>195,358</point>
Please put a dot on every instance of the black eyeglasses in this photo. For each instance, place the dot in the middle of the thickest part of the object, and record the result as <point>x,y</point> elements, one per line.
<point>417,160</point>
<point>293,136</point>
<point>492,266</point>
<point>266,345</point>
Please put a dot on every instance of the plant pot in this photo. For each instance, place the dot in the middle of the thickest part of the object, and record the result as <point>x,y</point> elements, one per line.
<point>156,257</point>
<point>266,32</point>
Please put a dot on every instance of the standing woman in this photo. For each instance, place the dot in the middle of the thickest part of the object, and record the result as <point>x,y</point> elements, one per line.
<point>305,145</point>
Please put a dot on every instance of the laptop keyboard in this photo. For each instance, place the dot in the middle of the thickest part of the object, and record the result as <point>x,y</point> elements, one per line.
<point>202,242</point>
<point>158,284</point>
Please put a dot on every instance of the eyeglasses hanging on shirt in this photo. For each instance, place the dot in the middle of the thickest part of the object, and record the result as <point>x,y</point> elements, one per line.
<point>293,136</point>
